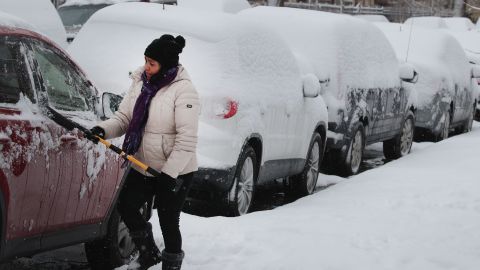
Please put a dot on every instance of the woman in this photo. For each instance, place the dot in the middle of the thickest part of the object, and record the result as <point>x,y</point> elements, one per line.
<point>159,117</point>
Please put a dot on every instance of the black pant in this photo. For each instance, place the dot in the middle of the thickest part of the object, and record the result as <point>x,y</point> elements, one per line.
<point>139,189</point>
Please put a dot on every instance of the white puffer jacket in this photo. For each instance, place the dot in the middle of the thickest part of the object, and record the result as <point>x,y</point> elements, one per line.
<point>170,138</point>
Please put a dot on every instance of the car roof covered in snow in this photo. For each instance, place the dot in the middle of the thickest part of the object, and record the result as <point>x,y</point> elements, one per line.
<point>9,20</point>
<point>223,53</point>
<point>373,18</point>
<point>229,6</point>
<point>436,55</point>
<point>351,52</point>
<point>459,23</point>
<point>427,21</point>
<point>40,13</point>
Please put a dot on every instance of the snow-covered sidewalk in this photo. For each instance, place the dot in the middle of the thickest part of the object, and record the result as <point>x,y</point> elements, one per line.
<point>420,212</point>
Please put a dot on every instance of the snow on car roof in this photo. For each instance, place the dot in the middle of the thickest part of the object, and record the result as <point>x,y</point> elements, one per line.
<point>437,56</point>
<point>9,20</point>
<point>459,23</point>
<point>427,21</point>
<point>229,6</point>
<point>91,2</point>
<point>41,14</point>
<point>373,18</point>
<point>351,52</point>
<point>223,54</point>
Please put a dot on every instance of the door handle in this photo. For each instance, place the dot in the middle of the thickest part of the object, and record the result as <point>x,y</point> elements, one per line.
<point>68,139</point>
<point>5,140</point>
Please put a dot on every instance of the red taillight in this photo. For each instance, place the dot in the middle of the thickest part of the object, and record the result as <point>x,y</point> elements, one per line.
<point>231,108</point>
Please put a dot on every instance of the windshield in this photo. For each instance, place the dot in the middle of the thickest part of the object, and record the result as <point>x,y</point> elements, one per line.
<point>78,15</point>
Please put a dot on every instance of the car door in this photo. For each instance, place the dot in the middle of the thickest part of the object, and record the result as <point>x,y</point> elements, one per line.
<point>24,152</point>
<point>88,185</point>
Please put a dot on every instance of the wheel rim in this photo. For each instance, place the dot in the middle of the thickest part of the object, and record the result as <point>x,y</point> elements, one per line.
<point>125,243</point>
<point>313,165</point>
<point>446,126</point>
<point>356,155</point>
<point>245,187</point>
<point>407,137</point>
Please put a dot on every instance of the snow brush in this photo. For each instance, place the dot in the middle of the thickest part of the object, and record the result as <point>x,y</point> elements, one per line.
<point>71,125</point>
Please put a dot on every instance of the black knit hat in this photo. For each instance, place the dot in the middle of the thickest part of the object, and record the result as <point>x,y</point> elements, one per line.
<point>165,50</point>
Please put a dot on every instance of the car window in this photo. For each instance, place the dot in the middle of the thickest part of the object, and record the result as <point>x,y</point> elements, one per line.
<point>11,82</point>
<point>66,88</point>
<point>78,15</point>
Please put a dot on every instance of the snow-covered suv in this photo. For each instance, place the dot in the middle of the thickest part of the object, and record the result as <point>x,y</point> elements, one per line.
<point>361,80</point>
<point>55,187</point>
<point>260,118</point>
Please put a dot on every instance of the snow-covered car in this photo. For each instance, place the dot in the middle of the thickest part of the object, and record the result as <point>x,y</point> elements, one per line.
<point>229,6</point>
<point>465,33</point>
<point>55,188</point>
<point>445,95</point>
<point>260,118</point>
<point>373,18</point>
<point>39,13</point>
<point>360,81</point>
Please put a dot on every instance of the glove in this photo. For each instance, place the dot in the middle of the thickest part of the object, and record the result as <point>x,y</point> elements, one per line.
<point>95,131</point>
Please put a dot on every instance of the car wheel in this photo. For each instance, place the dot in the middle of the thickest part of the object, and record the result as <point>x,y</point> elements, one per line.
<point>116,249</point>
<point>445,127</point>
<point>240,196</point>
<point>355,152</point>
<point>304,183</point>
<point>401,144</point>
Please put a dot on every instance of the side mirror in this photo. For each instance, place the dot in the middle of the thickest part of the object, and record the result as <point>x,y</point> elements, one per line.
<point>475,71</point>
<point>408,73</point>
<point>311,86</point>
<point>110,103</point>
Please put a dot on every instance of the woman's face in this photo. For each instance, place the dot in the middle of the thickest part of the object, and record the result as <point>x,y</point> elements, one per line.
<point>152,67</point>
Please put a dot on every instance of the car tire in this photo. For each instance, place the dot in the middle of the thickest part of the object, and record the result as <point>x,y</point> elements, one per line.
<point>304,183</point>
<point>402,144</point>
<point>354,155</point>
<point>444,132</point>
<point>241,194</point>
<point>114,250</point>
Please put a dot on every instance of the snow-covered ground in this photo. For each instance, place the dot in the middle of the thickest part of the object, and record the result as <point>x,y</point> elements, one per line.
<point>420,212</point>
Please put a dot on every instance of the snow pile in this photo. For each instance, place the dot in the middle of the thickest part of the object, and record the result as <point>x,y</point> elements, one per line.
<point>470,41</point>
<point>40,13</point>
<point>427,22</point>
<point>227,58</point>
<point>459,24</point>
<point>351,52</point>
<point>437,57</point>
<point>92,2</point>
<point>229,6</point>
<point>419,212</point>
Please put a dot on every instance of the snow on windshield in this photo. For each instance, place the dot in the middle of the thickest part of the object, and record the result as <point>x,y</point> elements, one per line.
<point>40,13</point>
<point>91,2</point>
<point>229,6</point>
<point>437,56</point>
<point>351,52</point>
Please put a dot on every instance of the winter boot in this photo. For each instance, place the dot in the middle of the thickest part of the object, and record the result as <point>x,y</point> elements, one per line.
<point>172,261</point>
<point>149,254</point>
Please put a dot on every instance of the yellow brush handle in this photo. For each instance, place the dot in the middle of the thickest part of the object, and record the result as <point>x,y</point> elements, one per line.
<point>123,154</point>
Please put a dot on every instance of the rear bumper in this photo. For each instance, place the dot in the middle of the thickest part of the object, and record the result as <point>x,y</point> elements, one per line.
<point>208,183</point>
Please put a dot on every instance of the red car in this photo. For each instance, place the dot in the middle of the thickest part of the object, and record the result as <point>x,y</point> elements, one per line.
<point>56,187</point>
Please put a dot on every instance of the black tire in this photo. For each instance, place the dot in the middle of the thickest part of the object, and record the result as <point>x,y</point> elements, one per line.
<point>304,183</point>
<point>354,155</point>
<point>115,250</point>
<point>444,132</point>
<point>402,143</point>
<point>240,197</point>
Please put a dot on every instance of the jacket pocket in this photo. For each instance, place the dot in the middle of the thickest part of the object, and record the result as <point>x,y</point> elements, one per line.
<point>167,145</point>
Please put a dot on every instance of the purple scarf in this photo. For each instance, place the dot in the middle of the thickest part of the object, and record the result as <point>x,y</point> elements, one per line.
<point>135,130</point>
